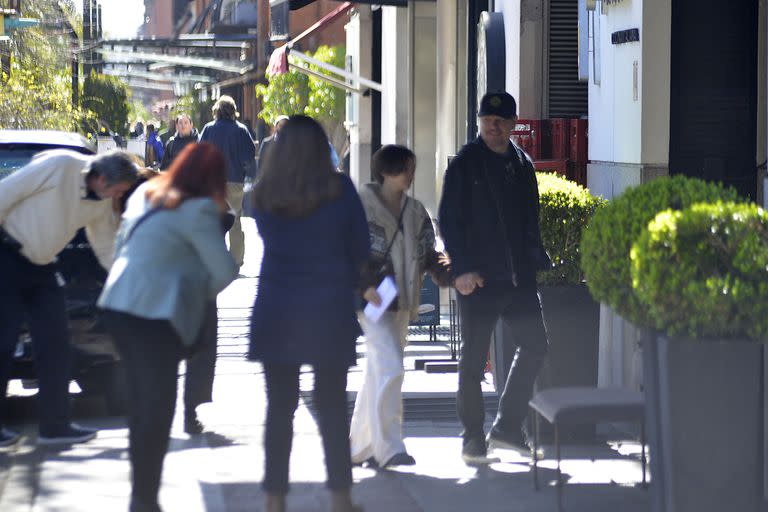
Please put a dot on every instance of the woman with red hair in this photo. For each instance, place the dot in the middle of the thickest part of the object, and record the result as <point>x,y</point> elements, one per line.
<point>170,263</point>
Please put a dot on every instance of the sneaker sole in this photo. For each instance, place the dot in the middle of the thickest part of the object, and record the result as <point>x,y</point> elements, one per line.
<point>65,440</point>
<point>479,459</point>
<point>503,445</point>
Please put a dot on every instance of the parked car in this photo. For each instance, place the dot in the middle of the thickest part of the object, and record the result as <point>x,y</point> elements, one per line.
<point>96,366</point>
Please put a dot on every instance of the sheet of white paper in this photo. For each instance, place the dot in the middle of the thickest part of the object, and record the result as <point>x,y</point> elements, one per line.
<point>387,291</point>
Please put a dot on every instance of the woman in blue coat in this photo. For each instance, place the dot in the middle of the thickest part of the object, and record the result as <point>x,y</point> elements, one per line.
<point>170,263</point>
<point>315,244</point>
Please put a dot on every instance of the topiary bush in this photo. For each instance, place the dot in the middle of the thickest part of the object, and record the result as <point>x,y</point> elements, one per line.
<point>609,236</point>
<point>566,207</point>
<point>703,271</point>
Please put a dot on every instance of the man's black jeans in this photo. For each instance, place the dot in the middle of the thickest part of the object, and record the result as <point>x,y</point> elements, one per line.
<point>151,351</point>
<point>31,292</point>
<point>479,312</point>
<point>330,399</point>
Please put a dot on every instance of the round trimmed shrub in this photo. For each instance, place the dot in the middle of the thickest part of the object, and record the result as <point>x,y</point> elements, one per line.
<point>703,271</point>
<point>566,207</point>
<point>608,238</point>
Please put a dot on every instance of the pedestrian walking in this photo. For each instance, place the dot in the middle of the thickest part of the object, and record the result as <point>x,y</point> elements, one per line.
<point>171,262</point>
<point>42,206</point>
<point>403,247</point>
<point>489,218</point>
<point>315,244</point>
<point>185,134</point>
<point>234,140</point>
<point>268,141</point>
<point>153,152</point>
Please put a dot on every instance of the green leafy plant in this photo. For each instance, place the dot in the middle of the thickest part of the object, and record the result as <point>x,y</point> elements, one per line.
<point>703,271</point>
<point>566,208</point>
<point>609,236</point>
<point>285,94</point>
<point>107,97</point>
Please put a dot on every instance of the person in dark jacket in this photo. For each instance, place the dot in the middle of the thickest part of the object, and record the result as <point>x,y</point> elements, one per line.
<point>185,134</point>
<point>315,245</point>
<point>234,140</point>
<point>267,142</point>
<point>489,219</point>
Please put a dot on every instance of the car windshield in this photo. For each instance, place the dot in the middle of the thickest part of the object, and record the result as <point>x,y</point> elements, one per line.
<point>14,159</point>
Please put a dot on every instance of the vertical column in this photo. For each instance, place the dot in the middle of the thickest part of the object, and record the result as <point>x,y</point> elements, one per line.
<point>396,76</point>
<point>448,98</point>
<point>359,111</point>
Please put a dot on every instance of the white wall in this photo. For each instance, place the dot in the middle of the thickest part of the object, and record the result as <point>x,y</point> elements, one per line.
<point>614,114</point>
<point>359,40</point>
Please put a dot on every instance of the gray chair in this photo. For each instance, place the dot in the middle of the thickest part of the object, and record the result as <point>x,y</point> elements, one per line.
<point>579,405</point>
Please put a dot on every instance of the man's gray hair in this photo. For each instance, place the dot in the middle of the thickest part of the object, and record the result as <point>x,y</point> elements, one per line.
<point>115,166</point>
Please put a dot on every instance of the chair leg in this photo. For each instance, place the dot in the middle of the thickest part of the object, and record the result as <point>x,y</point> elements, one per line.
<point>642,454</point>
<point>535,454</point>
<point>559,472</point>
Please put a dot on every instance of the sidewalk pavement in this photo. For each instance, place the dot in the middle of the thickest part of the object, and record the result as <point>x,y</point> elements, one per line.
<point>221,470</point>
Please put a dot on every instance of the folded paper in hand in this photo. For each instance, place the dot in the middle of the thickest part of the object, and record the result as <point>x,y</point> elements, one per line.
<point>387,290</point>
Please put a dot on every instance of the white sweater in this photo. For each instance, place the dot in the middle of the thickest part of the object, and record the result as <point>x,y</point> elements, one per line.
<point>42,205</point>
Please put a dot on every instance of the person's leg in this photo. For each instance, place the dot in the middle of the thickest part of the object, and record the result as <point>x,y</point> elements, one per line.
<point>330,396</point>
<point>478,314</point>
<point>151,351</point>
<point>201,370</point>
<point>236,236</point>
<point>49,328</point>
<point>523,314</point>
<point>384,381</point>
<point>282,400</point>
<point>11,317</point>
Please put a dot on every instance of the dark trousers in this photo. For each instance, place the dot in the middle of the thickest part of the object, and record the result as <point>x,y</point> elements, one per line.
<point>31,292</point>
<point>201,365</point>
<point>330,398</point>
<point>479,312</point>
<point>151,351</point>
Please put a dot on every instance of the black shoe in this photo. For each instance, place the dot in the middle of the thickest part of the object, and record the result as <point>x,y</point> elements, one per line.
<point>68,435</point>
<point>514,440</point>
<point>400,459</point>
<point>192,425</point>
<point>475,451</point>
<point>8,437</point>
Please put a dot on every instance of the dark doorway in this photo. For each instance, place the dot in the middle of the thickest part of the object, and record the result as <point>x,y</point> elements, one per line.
<point>713,102</point>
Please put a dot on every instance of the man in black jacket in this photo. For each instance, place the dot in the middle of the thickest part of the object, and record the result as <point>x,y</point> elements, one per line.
<point>489,219</point>
<point>185,134</point>
<point>234,140</point>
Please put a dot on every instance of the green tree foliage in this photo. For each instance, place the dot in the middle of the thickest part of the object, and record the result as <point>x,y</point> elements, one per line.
<point>295,93</point>
<point>38,93</point>
<point>108,98</point>
<point>199,111</point>
<point>285,94</point>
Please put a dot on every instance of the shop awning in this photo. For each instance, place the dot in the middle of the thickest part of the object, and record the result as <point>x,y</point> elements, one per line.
<point>279,63</point>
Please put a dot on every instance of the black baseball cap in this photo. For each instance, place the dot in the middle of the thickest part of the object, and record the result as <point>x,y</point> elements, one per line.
<point>500,104</point>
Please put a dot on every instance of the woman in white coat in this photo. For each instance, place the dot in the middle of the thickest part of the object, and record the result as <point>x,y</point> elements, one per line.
<point>403,247</point>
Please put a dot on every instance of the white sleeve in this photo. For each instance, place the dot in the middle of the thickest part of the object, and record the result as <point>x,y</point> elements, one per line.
<point>101,235</point>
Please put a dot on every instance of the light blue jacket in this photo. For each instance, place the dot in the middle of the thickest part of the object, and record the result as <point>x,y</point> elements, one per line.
<point>174,264</point>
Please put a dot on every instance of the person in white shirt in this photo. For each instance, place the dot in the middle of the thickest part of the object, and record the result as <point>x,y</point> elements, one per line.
<point>42,206</point>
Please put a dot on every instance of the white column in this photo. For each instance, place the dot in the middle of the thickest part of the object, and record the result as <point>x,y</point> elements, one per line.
<point>395,76</point>
<point>359,47</point>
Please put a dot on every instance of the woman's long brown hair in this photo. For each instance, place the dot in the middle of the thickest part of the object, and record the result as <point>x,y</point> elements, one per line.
<point>297,176</point>
<point>198,171</point>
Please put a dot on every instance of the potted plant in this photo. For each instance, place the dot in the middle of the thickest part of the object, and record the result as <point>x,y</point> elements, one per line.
<point>701,275</point>
<point>606,247</point>
<point>571,316</point>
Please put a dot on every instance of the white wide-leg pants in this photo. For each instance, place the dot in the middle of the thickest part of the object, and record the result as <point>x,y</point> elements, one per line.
<point>377,422</point>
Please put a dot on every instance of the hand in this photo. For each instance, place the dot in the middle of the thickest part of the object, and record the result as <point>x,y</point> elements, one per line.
<point>372,296</point>
<point>467,283</point>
